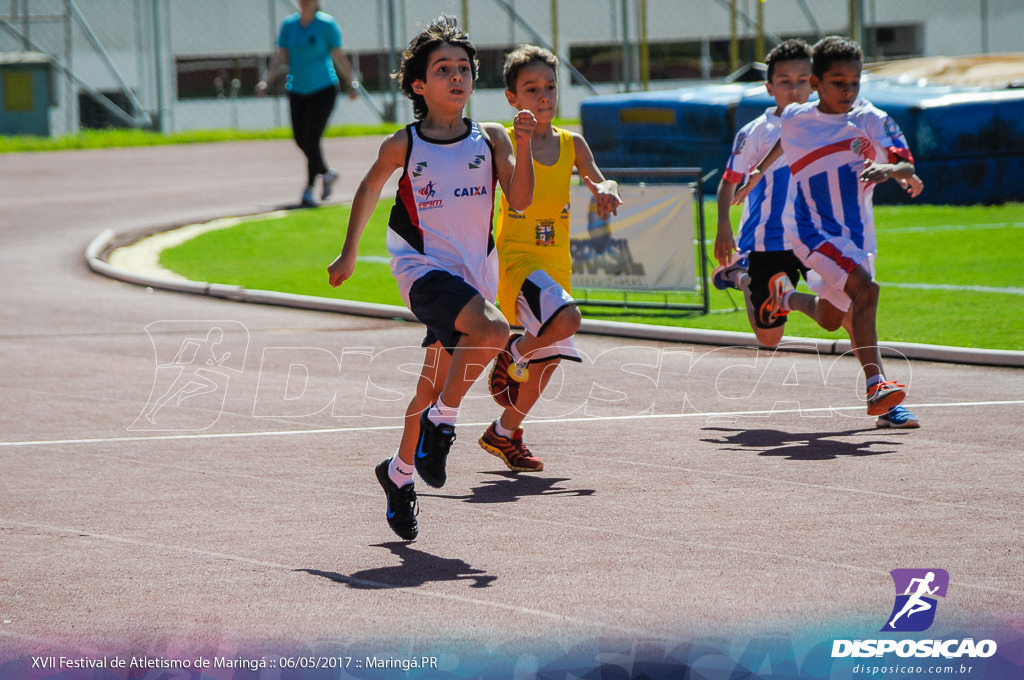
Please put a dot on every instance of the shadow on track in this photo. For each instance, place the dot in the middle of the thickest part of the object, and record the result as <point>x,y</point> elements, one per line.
<point>802,445</point>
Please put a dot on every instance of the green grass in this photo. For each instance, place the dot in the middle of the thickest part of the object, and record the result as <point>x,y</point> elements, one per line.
<point>937,245</point>
<point>119,138</point>
<point>105,139</point>
<point>290,254</point>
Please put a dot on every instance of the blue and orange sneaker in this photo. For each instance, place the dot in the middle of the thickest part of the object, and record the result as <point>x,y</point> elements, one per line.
<point>771,309</point>
<point>883,396</point>
<point>898,417</point>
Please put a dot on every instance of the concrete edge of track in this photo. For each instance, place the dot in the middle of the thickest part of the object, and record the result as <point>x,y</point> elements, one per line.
<point>99,249</point>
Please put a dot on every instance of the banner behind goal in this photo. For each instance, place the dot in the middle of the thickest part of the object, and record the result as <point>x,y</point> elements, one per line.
<point>653,244</point>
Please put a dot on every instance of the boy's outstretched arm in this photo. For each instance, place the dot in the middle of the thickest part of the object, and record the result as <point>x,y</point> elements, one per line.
<point>515,169</point>
<point>901,170</point>
<point>606,191</point>
<point>913,185</point>
<point>391,157</point>
<point>725,241</point>
<point>774,154</point>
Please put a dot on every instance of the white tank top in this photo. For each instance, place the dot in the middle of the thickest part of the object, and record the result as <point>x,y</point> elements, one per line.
<point>444,212</point>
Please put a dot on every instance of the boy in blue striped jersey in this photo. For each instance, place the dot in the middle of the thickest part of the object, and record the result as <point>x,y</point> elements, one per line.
<point>837,149</point>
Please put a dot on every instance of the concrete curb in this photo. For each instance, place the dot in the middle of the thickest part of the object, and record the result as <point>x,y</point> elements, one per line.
<point>99,249</point>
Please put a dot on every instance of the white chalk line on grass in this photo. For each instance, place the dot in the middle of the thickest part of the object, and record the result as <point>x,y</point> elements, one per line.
<point>950,286</point>
<point>952,227</point>
<point>580,419</point>
<point>956,227</point>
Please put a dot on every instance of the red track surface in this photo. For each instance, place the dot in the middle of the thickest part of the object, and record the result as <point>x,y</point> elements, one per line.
<point>674,504</point>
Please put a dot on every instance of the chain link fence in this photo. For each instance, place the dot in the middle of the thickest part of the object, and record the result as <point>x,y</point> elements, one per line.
<point>177,65</point>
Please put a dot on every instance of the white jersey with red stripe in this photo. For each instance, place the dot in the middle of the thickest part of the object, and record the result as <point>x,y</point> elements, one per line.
<point>768,213</point>
<point>826,154</point>
<point>444,211</point>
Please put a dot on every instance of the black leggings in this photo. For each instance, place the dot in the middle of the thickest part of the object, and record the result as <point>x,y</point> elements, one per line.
<point>310,113</point>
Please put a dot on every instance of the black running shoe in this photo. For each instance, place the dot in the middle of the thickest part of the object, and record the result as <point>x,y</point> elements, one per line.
<point>432,451</point>
<point>402,505</point>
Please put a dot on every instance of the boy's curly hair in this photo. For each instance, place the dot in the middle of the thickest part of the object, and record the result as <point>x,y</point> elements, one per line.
<point>829,50</point>
<point>443,30</point>
<point>793,49</point>
<point>523,56</point>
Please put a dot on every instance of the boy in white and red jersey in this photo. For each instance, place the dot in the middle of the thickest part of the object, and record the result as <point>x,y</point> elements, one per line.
<point>441,245</point>
<point>763,249</point>
<point>838,148</point>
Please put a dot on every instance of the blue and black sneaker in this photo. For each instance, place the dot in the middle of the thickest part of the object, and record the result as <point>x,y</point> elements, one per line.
<point>432,451</point>
<point>402,505</point>
<point>898,417</point>
<point>724,277</point>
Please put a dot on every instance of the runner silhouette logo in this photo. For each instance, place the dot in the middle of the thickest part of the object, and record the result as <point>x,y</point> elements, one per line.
<point>917,591</point>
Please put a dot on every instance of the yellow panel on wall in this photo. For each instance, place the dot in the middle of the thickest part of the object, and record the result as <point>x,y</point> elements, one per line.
<point>17,91</point>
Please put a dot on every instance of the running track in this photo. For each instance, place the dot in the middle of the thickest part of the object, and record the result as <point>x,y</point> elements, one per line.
<point>691,493</point>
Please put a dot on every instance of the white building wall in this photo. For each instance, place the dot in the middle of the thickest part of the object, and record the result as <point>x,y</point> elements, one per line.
<point>207,28</point>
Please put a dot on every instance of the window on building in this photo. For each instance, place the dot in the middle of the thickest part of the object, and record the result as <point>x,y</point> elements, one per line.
<point>219,77</point>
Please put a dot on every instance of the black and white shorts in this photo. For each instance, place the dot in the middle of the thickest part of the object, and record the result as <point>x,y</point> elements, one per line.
<point>539,300</point>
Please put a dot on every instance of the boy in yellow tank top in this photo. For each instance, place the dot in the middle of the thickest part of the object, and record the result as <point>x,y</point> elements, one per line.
<point>534,265</point>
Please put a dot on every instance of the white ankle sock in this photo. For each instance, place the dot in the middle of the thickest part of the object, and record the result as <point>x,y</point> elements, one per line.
<point>442,414</point>
<point>874,380</point>
<point>516,355</point>
<point>785,301</point>
<point>398,473</point>
<point>502,431</point>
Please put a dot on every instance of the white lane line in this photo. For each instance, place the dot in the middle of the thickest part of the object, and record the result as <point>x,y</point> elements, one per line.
<point>581,419</point>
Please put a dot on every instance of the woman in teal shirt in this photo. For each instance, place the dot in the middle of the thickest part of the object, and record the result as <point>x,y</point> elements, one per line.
<point>309,45</point>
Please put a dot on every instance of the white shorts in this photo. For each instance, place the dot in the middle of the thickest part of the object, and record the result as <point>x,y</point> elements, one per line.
<point>831,264</point>
<point>540,298</point>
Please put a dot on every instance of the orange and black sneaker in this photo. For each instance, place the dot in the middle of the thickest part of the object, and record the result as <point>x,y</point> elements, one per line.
<point>883,396</point>
<point>512,451</point>
<point>771,309</point>
<point>506,376</point>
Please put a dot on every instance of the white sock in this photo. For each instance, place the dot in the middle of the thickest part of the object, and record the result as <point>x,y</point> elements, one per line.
<point>516,355</point>
<point>740,278</point>
<point>442,414</point>
<point>874,380</point>
<point>502,431</point>
<point>398,473</point>
<point>784,301</point>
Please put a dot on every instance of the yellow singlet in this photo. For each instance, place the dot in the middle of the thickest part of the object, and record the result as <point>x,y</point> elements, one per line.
<point>538,238</point>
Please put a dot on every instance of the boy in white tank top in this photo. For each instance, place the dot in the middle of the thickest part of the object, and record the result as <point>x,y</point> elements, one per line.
<point>439,237</point>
